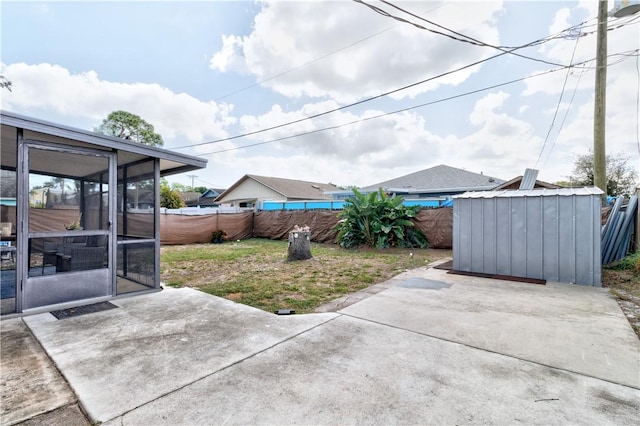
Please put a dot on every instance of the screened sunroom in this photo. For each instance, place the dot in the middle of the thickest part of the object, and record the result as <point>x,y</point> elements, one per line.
<point>79,215</point>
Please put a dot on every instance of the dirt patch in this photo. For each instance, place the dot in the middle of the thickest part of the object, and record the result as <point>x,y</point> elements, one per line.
<point>624,285</point>
<point>31,384</point>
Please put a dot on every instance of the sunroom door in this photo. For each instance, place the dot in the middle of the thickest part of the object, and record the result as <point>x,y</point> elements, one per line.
<point>68,225</point>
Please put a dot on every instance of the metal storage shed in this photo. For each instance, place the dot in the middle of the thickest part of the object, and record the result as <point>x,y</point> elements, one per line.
<point>551,234</point>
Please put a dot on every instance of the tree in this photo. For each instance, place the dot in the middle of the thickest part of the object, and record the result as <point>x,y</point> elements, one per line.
<point>4,83</point>
<point>564,183</point>
<point>125,125</point>
<point>622,178</point>
<point>169,198</point>
<point>180,187</point>
<point>377,220</point>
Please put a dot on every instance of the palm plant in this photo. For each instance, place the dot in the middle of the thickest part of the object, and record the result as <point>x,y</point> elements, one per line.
<point>377,220</point>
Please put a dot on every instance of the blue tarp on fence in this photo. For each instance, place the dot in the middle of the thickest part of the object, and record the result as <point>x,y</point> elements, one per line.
<point>339,204</point>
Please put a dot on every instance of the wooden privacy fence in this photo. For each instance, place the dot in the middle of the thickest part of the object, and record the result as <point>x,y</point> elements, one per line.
<point>437,225</point>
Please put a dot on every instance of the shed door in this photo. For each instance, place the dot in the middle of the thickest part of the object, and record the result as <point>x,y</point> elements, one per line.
<point>67,217</point>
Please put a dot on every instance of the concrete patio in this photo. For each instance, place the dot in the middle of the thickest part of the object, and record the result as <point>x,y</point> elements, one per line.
<point>430,348</point>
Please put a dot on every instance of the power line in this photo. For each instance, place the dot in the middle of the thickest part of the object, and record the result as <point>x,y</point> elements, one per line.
<point>211,185</point>
<point>564,118</point>
<point>555,114</point>
<point>315,60</point>
<point>344,106</point>
<point>370,98</point>
<point>258,83</point>
<point>310,117</point>
<point>400,110</point>
<point>192,178</point>
<point>388,113</point>
<point>465,39</point>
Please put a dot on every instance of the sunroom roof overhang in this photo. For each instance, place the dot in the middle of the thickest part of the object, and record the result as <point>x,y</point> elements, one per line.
<point>128,152</point>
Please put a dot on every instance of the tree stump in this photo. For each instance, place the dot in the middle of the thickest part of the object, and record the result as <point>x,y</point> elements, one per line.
<point>299,245</point>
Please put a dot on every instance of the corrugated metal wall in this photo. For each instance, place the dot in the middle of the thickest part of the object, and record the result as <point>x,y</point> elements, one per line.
<point>551,234</point>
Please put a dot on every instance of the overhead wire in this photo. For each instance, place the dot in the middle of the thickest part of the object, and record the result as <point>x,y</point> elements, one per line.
<point>411,108</point>
<point>369,37</point>
<point>574,32</point>
<point>258,83</point>
<point>273,77</point>
<point>564,118</point>
<point>535,42</point>
<point>464,39</point>
<point>320,114</point>
<point>555,114</point>
<point>362,101</point>
<point>388,113</point>
<point>210,185</point>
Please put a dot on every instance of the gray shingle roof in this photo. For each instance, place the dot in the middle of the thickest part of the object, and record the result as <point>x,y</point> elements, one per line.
<point>298,189</point>
<point>440,178</point>
<point>190,196</point>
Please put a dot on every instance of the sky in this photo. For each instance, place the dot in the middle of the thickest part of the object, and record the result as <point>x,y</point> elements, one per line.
<point>387,97</point>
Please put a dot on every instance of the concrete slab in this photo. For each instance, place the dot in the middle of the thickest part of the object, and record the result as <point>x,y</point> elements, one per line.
<point>30,384</point>
<point>351,371</point>
<point>580,329</point>
<point>120,359</point>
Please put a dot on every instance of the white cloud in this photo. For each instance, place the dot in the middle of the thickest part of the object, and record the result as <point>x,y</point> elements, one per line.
<point>395,54</point>
<point>622,39</point>
<point>176,116</point>
<point>384,148</point>
<point>228,58</point>
<point>560,21</point>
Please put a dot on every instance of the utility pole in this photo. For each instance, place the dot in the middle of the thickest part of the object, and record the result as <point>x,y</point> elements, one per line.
<point>192,178</point>
<point>600,104</point>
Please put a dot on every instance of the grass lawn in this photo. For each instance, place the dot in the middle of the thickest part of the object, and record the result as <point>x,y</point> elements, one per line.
<point>255,271</point>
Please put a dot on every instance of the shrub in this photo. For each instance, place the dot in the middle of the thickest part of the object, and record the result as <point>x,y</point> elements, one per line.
<point>377,220</point>
<point>218,236</point>
<point>170,199</point>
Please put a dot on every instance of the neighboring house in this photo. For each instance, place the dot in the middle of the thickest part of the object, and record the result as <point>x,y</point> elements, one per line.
<point>438,181</point>
<point>251,190</point>
<point>38,197</point>
<point>516,181</point>
<point>197,199</point>
<point>140,198</point>
<point>208,199</point>
<point>190,198</point>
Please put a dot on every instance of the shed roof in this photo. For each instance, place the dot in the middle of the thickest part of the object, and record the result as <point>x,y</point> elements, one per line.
<point>441,178</point>
<point>538,192</point>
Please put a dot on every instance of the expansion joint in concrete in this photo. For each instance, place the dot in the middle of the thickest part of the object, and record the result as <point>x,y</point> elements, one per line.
<point>489,351</point>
